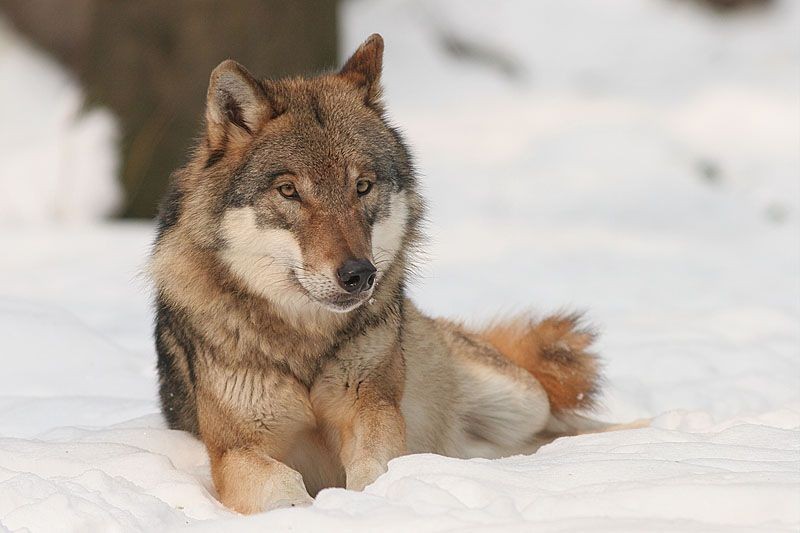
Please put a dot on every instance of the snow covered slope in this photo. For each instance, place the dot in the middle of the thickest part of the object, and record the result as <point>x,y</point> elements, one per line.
<point>639,159</point>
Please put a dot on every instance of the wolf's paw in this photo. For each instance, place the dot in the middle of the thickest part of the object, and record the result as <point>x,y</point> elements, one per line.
<point>301,500</point>
<point>274,485</point>
<point>363,472</point>
<point>285,488</point>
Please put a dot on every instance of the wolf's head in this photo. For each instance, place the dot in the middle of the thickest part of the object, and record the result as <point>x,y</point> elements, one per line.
<point>300,186</point>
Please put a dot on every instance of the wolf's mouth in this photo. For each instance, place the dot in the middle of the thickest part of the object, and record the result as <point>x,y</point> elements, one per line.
<point>341,303</point>
<point>344,305</point>
<point>336,302</point>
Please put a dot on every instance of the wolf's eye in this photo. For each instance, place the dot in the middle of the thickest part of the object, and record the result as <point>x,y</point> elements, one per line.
<point>363,187</point>
<point>289,191</point>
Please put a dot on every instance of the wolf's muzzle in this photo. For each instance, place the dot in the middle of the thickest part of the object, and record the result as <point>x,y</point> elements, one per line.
<point>356,275</point>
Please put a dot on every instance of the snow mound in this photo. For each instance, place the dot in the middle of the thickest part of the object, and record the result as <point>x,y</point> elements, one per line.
<point>59,160</point>
<point>139,476</point>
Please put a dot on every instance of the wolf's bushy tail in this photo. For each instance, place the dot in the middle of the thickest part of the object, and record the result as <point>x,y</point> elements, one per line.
<point>556,351</point>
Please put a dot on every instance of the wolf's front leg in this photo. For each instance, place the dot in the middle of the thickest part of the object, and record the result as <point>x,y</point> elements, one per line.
<point>249,425</point>
<point>376,434</point>
<point>249,481</point>
<point>359,396</point>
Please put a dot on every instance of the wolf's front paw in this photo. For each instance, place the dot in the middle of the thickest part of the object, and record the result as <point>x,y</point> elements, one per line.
<point>278,486</point>
<point>362,473</point>
<point>285,488</point>
<point>299,500</point>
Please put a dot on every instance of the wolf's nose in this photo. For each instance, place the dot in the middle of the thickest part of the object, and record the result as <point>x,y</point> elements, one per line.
<point>356,275</point>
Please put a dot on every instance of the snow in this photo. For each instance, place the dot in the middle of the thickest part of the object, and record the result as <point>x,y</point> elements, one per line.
<point>59,159</point>
<point>641,160</point>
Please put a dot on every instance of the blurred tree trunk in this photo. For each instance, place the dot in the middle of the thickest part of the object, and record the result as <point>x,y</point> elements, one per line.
<point>149,62</point>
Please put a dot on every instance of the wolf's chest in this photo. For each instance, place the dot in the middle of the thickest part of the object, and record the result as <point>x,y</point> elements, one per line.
<point>267,398</point>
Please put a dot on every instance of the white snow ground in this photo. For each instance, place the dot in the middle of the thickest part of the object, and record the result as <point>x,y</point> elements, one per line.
<point>642,162</point>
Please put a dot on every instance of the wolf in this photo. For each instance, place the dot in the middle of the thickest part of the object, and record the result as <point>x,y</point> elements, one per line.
<point>285,339</point>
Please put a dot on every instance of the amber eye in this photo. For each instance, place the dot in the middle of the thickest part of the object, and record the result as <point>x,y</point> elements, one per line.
<point>289,191</point>
<point>363,187</point>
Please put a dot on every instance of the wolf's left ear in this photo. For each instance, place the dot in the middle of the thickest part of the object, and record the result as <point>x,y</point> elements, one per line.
<point>363,69</point>
<point>235,98</point>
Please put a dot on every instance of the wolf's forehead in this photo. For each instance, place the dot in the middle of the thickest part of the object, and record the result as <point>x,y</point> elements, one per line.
<point>310,154</point>
<point>301,144</point>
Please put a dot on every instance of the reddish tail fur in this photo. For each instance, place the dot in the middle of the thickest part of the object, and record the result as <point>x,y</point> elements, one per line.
<point>554,350</point>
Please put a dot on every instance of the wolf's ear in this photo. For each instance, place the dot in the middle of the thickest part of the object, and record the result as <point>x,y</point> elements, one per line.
<point>363,69</point>
<point>234,97</point>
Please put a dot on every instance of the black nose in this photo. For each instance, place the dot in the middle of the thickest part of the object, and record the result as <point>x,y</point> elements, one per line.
<point>356,275</point>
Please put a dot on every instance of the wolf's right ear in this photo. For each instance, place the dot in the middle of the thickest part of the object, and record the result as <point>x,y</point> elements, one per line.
<point>363,69</point>
<point>234,98</point>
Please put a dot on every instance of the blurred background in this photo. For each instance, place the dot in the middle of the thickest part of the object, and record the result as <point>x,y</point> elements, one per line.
<point>126,80</point>
<point>637,158</point>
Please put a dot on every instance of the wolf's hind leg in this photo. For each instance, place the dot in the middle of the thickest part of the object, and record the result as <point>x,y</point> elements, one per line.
<point>252,482</point>
<point>503,407</point>
<point>575,424</point>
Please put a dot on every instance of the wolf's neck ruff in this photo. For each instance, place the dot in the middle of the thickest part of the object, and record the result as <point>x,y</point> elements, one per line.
<point>285,339</point>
